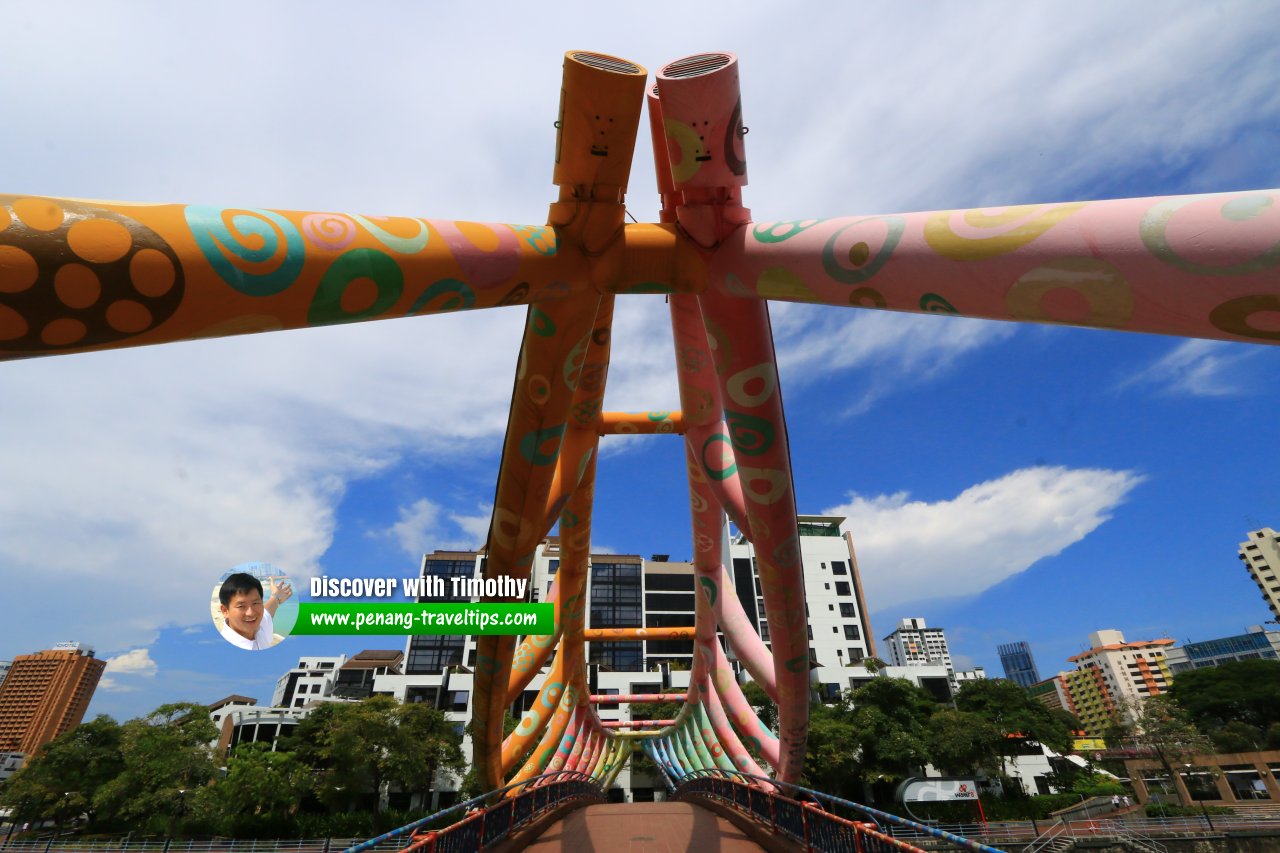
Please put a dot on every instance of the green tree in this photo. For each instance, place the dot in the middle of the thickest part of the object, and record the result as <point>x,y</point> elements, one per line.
<point>426,742</point>
<point>1246,691</point>
<point>961,742</point>
<point>1160,725</point>
<point>165,758</point>
<point>259,795</point>
<point>889,718</point>
<point>831,764</point>
<point>1237,736</point>
<point>346,744</point>
<point>1011,709</point>
<point>61,780</point>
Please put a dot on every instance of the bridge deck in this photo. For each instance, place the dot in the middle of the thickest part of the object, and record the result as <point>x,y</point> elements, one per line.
<point>642,828</point>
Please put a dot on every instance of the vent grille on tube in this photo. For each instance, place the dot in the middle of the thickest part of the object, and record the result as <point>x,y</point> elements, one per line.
<point>694,66</point>
<point>606,63</point>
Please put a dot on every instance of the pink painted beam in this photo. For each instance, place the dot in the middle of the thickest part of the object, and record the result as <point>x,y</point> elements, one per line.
<point>1201,266</point>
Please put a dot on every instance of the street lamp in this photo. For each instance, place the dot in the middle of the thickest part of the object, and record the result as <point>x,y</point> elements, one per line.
<point>64,812</point>
<point>1199,799</point>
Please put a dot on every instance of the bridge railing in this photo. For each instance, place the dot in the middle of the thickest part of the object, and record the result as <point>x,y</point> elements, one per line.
<point>812,821</point>
<point>480,825</point>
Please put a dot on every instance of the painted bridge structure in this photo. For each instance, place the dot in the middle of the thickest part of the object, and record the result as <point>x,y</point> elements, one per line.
<point>81,275</point>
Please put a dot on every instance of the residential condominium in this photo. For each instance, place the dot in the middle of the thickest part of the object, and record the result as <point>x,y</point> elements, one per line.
<point>46,694</point>
<point>1261,556</point>
<point>1114,674</point>
<point>916,643</point>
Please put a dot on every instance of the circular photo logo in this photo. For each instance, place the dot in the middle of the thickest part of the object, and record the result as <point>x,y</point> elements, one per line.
<point>253,606</point>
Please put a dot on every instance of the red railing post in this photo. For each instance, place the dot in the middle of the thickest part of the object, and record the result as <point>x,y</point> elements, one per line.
<point>804,820</point>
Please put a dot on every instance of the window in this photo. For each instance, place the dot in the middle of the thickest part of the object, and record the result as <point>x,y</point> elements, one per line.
<point>615,595</point>
<point>668,620</point>
<point>553,566</point>
<point>842,588</point>
<point>838,567</point>
<point>809,629</point>
<point>617,656</point>
<point>458,700</point>
<point>851,632</point>
<point>831,607</point>
<point>855,655</point>
<point>846,610</point>
<point>826,586</point>
<point>835,630</point>
<point>668,583</point>
<point>432,653</point>
<point>446,570</point>
<point>668,601</point>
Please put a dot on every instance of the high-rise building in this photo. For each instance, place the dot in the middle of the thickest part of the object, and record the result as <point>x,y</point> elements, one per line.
<point>1019,665</point>
<point>1114,673</point>
<point>913,642</point>
<point>915,646</point>
<point>4,669</point>
<point>1256,643</point>
<point>46,694</point>
<point>840,637</point>
<point>1260,554</point>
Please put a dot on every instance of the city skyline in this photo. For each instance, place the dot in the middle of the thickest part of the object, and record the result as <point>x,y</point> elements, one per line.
<point>1004,482</point>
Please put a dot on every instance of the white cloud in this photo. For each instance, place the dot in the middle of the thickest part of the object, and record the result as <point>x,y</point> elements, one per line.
<point>416,529</point>
<point>136,662</point>
<point>132,664</point>
<point>911,549</point>
<point>1198,368</point>
<point>425,526</point>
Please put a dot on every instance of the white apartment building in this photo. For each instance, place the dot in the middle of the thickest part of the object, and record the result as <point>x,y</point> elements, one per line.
<point>1119,672</point>
<point>313,678</point>
<point>840,637</point>
<point>1260,554</point>
<point>914,643</point>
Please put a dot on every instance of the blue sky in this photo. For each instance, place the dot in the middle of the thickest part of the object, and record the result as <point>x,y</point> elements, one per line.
<point>1004,482</point>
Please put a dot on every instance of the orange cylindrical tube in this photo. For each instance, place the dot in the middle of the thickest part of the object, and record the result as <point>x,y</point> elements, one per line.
<point>600,101</point>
